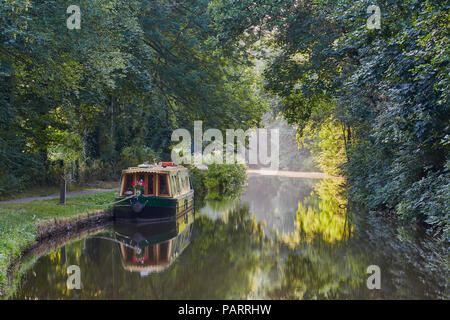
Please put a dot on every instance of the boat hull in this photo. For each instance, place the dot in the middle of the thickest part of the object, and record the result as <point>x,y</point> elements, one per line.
<point>144,208</point>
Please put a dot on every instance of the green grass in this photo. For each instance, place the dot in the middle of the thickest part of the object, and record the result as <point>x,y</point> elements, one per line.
<point>42,191</point>
<point>18,223</point>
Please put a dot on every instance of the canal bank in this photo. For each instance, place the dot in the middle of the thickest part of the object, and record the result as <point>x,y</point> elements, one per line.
<point>25,225</point>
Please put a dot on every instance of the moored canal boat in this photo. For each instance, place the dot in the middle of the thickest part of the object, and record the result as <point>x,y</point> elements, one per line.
<point>154,192</point>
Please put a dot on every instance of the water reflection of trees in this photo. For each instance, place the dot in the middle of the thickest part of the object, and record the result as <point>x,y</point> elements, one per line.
<point>324,213</point>
<point>324,258</point>
<point>221,262</point>
<point>275,200</point>
<point>317,261</point>
<point>328,256</point>
<point>319,271</point>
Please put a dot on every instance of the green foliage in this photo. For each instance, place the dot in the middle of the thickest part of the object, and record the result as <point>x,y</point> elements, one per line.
<point>219,181</point>
<point>132,155</point>
<point>388,89</point>
<point>327,145</point>
<point>112,92</point>
<point>430,195</point>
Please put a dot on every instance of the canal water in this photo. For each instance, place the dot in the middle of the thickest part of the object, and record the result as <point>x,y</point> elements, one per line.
<point>285,238</point>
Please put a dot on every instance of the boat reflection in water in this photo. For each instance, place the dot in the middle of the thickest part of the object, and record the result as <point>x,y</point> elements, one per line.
<point>151,247</point>
<point>122,260</point>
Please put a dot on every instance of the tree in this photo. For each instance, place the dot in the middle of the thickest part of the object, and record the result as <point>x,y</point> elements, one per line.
<point>387,89</point>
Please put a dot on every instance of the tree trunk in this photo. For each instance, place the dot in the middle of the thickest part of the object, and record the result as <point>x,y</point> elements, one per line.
<point>77,171</point>
<point>62,191</point>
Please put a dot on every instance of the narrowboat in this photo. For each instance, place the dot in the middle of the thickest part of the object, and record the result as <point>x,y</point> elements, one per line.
<point>160,192</point>
<point>152,247</point>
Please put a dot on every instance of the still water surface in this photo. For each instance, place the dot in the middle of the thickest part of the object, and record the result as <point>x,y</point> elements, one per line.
<point>285,238</point>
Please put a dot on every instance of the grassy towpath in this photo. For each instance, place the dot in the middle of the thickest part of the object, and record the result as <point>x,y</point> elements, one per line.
<point>56,196</point>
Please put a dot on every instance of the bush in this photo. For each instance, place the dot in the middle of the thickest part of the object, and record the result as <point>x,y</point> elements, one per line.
<point>134,155</point>
<point>9,183</point>
<point>107,170</point>
<point>97,170</point>
<point>219,181</point>
<point>428,201</point>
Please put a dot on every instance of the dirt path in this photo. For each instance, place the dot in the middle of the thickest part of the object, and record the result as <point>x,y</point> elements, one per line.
<point>56,196</point>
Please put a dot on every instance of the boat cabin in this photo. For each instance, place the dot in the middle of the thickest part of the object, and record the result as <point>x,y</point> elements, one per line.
<point>163,180</point>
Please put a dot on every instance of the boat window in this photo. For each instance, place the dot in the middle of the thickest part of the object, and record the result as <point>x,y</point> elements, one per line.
<point>178,183</point>
<point>151,254</point>
<point>128,184</point>
<point>140,177</point>
<point>175,189</point>
<point>173,185</point>
<point>183,187</point>
<point>150,184</point>
<point>163,188</point>
<point>186,181</point>
<point>164,251</point>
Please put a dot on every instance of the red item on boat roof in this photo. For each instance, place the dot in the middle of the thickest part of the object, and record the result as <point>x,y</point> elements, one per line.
<point>166,163</point>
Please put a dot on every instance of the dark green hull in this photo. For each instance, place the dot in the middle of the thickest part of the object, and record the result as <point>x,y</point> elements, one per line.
<point>144,208</point>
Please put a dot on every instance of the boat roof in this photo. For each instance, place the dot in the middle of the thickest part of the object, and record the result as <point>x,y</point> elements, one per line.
<point>135,267</point>
<point>155,168</point>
